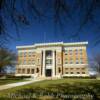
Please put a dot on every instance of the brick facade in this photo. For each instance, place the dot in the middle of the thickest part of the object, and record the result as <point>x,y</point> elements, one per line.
<point>53,60</point>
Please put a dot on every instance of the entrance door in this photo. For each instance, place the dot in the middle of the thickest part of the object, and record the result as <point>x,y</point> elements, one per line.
<point>48,72</point>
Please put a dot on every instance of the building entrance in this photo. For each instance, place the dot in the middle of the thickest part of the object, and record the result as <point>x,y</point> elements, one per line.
<point>48,72</point>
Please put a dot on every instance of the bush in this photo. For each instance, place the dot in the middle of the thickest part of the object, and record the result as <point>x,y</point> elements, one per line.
<point>80,77</point>
<point>16,77</point>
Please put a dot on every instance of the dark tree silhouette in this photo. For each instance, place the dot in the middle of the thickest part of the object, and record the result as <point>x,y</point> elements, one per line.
<point>97,60</point>
<point>7,58</point>
<point>59,11</point>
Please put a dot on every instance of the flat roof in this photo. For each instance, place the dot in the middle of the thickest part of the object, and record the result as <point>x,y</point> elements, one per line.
<point>53,44</point>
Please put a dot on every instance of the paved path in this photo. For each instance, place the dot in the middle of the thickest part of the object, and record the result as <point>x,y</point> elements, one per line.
<point>11,85</point>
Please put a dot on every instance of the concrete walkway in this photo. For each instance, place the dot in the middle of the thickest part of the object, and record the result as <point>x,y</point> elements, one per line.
<point>11,85</point>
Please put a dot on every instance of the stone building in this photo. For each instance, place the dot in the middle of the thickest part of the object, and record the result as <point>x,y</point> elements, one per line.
<point>53,60</point>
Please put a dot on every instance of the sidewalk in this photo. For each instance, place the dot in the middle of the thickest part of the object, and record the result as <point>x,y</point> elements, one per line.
<point>11,85</point>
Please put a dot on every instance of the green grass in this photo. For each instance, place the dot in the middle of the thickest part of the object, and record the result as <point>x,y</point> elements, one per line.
<point>63,86</point>
<point>7,81</point>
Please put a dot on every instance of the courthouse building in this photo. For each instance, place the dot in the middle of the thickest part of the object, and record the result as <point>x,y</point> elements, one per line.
<point>52,60</point>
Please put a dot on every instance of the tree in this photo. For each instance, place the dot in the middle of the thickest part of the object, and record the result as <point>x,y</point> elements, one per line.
<point>7,58</point>
<point>97,60</point>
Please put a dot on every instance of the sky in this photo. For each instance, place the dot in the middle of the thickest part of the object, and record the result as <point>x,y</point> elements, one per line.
<point>45,31</point>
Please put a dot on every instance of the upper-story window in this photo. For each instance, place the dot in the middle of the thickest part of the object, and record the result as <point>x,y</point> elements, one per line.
<point>81,53</point>
<point>66,61</point>
<point>25,54</point>
<point>71,62</point>
<point>66,52</point>
<point>24,62</point>
<point>33,62</point>
<point>20,62</point>
<point>49,53</point>
<point>76,50</point>
<point>81,58</point>
<point>82,62</point>
<point>80,49</point>
<point>49,61</point>
<point>70,52</point>
<point>29,62</point>
<point>20,54</point>
<point>76,58</point>
<point>71,59</point>
<point>30,53</point>
<point>77,62</point>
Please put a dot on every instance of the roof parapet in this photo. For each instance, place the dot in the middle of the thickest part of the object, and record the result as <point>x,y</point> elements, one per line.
<point>52,44</point>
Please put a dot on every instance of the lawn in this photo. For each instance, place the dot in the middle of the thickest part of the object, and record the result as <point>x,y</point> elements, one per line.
<point>7,81</point>
<point>61,89</point>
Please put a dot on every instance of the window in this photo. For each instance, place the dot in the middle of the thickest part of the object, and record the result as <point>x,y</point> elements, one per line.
<point>70,51</point>
<point>19,70</point>
<point>71,72</point>
<point>20,54</point>
<point>83,72</point>
<point>24,54</point>
<point>81,59</point>
<point>66,62</point>
<point>29,62</point>
<point>33,62</point>
<point>71,68</point>
<point>37,70</point>
<point>20,62</point>
<point>66,68</point>
<point>49,53</point>
<point>82,62</point>
<point>66,72</point>
<point>81,53</point>
<point>66,52</point>
<point>24,62</point>
<point>23,71</point>
<point>59,69</point>
<point>28,71</point>
<point>80,50</point>
<point>71,62</point>
<point>83,68</point>
<point>33,54</point>
<point>49,61</point>
<point>76,58</point>
<point>32,71</point>
<point>77,68</point>
<point>77,62</point>
<point>66,59</point>
<point>76,53</point>
<point>30,53</point>
<point>78,72</point>
<point>76,50</point>
<point>71,59</point>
